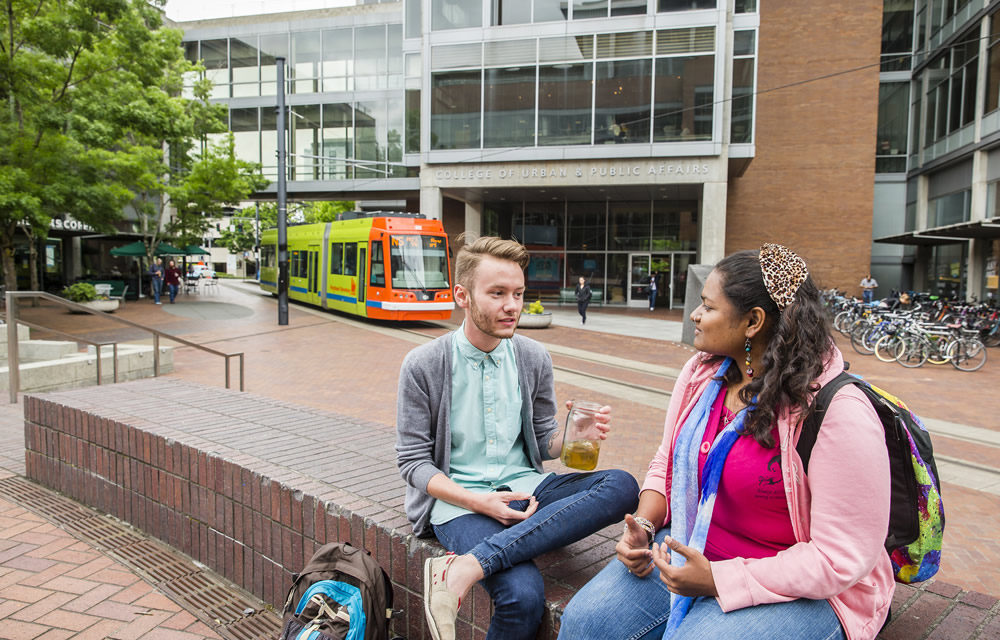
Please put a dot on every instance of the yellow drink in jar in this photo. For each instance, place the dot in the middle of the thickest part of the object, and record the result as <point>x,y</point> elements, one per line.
<point>581,454</point>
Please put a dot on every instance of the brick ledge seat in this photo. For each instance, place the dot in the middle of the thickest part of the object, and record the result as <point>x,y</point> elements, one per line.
<point>250,486</point>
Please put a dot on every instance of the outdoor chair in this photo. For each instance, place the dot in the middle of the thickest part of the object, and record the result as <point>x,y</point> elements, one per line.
<point>210,284</point>
<point>191,284</point>
<point>121,297</point>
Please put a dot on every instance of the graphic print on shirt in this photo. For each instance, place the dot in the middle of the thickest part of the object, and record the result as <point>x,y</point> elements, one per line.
<point>769,485</point>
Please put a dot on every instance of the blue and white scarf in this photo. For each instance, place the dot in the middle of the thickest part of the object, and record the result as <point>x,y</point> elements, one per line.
<point>690,516</point>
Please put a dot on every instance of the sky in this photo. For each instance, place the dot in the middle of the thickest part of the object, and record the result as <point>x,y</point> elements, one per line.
<point>185,10</point>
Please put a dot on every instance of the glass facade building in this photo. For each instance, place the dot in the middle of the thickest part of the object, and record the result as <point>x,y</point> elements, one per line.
<point>584,128</point>
<point>938,172</point>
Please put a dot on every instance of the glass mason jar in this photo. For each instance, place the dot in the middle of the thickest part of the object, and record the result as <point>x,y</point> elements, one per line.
<point>581,442</point>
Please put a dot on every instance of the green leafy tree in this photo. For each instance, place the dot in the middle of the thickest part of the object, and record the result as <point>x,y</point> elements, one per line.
<point>216,182</point>
<point>325,211</point>
<point>241,235</point>
<point>84,84</point>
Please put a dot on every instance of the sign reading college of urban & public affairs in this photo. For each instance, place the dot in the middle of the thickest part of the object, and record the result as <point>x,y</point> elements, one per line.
<point>562,173</point>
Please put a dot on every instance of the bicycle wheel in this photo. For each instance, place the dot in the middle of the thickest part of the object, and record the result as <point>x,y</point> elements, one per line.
<point>967,354</point>
<point>858,333</point>
<point>841,321</point>
<point>913,351</point>
<point>938,352</point>
<point>887,347</point>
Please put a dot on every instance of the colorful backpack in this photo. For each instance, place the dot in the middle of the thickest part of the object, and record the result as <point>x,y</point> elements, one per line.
<point>341,594</point>
<point>916,513</point>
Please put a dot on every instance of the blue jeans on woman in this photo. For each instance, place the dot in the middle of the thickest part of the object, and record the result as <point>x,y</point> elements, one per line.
<point>570,507</point>
<point>617,605</point>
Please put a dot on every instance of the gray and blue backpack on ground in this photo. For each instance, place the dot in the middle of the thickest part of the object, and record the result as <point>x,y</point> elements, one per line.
<point>341,594</point>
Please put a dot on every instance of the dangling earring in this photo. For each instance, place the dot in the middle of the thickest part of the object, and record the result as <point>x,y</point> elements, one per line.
<point>749,368</point>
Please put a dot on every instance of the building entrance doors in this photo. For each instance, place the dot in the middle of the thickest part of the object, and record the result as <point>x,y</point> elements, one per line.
<point>638,279</point>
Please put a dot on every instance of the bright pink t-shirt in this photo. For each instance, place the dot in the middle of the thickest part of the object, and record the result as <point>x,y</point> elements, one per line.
<point>751,518</point>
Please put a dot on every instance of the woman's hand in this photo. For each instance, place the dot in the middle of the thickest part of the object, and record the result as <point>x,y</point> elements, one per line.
<point>633,549</point>
<point>693,579</point>
<point>496,504</point>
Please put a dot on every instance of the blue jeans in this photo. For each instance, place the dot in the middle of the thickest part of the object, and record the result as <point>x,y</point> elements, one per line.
<point>868,295</point>
<point>652,299</point>
<point>570,507</point>
<point>173,292</point>
<point>157,287</point>
<point>616,605</point>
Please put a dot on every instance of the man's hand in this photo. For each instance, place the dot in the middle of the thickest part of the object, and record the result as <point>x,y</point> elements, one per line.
<point>693,579</point>
<point>496,504</point>
<point>633,549</point>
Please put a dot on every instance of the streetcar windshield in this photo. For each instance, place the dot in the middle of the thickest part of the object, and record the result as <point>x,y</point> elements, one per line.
<point>418,262</point>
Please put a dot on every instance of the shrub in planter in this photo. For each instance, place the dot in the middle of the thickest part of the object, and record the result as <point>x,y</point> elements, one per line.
<point>80,292</point>
<point>535,308</point>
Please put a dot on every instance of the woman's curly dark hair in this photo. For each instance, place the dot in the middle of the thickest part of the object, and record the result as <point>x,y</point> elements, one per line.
<point>798,344</point>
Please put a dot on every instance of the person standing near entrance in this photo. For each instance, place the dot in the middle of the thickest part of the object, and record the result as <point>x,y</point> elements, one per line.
<point>868,285</point>
<point>583,296</point>
<point>172,280</point>
<point>651,290</point>
<point>156,271</point>
<point>475,418</point>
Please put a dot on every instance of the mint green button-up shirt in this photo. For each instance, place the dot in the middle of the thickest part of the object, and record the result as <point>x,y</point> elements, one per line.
<point>487,446</point>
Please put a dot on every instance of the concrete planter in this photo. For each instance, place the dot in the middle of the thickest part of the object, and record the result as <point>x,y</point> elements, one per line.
<point>107,306</point>
<point>535,320</point>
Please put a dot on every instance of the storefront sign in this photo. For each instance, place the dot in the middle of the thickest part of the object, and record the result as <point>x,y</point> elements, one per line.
<point>631,171</point>
<point>69,224</point>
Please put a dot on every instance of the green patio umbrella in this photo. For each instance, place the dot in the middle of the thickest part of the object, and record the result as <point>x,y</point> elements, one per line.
<point>195,250</point>
<point>138,248</point>
<point>164,249</point>
<point>133,249</point>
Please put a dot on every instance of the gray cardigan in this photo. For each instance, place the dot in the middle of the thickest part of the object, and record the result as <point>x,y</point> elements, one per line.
<point>423,408</point>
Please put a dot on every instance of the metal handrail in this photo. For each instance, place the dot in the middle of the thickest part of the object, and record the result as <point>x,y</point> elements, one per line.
<point>14,378</point>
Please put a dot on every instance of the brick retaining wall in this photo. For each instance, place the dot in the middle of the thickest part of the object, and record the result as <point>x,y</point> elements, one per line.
<point>250,486</point>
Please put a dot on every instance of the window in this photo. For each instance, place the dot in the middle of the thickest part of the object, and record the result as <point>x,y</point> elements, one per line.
<point>377,278</point>
<point>455,109</point>
<point>564,104</point>
<point>629,227</point>
<point>509,107</point>
<point>306,61</point>
<point>336,258</point>
<point>684,90</point>
<point>993,66</point>
<point>267,257</point>
<point>304,121</point>
<point>951,94</point>
<point>338,141</point>
<point>741,114</point>
<point>456,14</point>
<point>246,69</point>
<point>684,5</point>
<point>897,35</point>
<point>893,103</point>
<point>351,259</point>
<point>622,104</point>
<point>298,264</point>
<point>338,60</point>
<point>370,58</point>
<point>215,55</point>
<point>418,262</point>
<point>585,227</point>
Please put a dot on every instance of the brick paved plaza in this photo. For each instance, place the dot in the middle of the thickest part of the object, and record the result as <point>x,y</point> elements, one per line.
<point>341,365</point>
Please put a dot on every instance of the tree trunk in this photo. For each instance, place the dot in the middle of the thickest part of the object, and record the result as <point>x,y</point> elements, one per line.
<point>33,266</point>
<point>9,270</point>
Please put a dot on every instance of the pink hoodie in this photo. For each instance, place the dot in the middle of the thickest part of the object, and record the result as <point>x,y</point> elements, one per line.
<point>840,512</point>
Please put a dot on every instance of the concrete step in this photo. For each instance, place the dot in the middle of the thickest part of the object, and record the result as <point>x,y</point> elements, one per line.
<point>40,350</point>
<point>22,334</point>
<point>79,369</point>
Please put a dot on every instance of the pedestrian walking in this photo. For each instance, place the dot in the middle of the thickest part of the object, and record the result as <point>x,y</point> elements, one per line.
<point>172,279</point>
<point>475,417</point>
<point>156,271</point>
<point>583,296</point>
<point>868,285</point>
<point>651,290</point>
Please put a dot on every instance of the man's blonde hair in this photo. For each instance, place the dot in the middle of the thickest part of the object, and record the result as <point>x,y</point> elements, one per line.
<point>472,253</point>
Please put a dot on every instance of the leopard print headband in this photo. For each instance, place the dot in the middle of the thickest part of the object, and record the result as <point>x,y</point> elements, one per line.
<point>784,272</point>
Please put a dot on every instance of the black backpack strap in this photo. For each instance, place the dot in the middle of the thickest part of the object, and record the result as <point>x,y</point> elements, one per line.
<point>811,425</point>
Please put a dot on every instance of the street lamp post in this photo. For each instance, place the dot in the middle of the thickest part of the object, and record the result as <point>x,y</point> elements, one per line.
<point>282,196</point>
